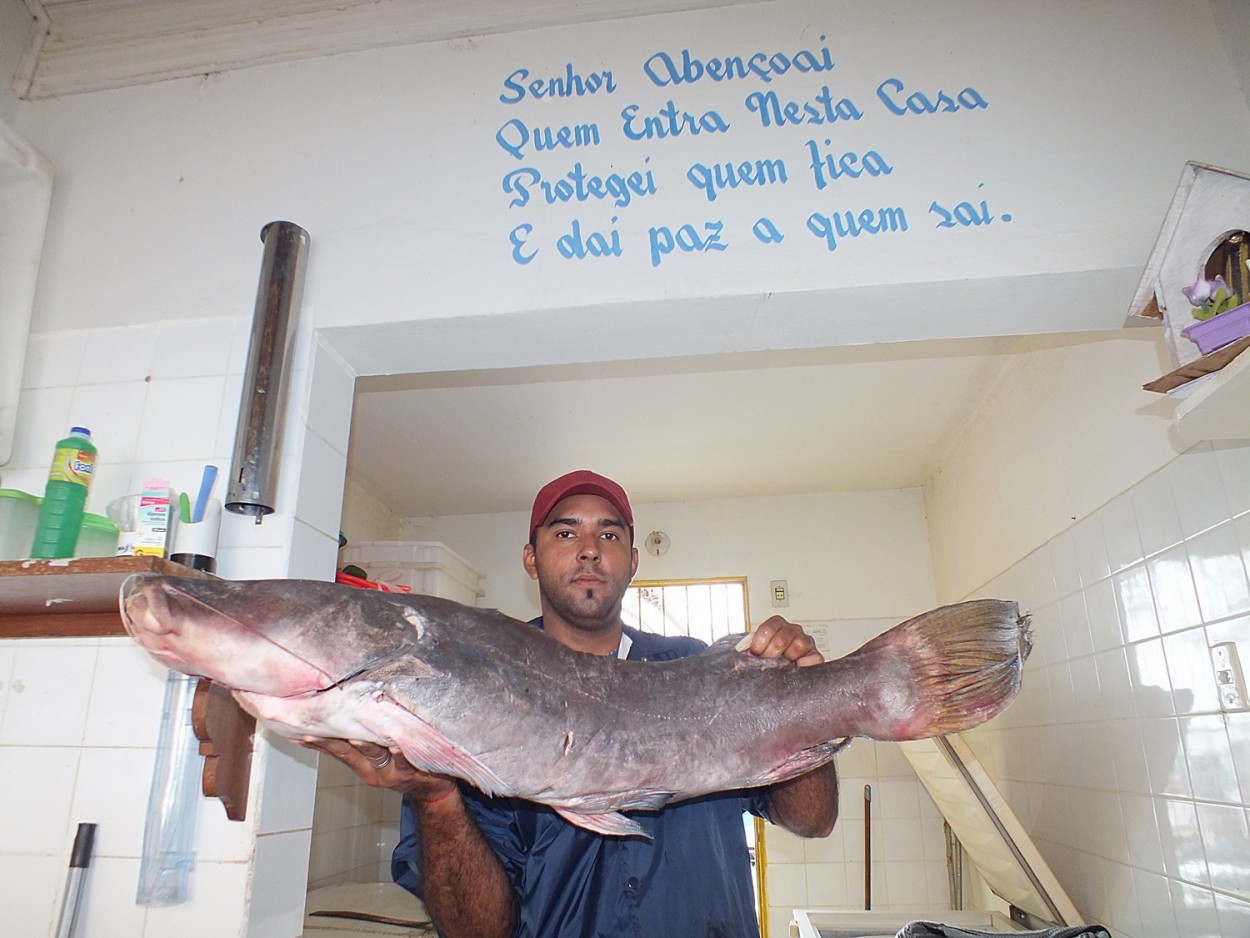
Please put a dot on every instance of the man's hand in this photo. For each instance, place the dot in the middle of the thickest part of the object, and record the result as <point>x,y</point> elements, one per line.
<point>381,768</point>
<point>777,638</point>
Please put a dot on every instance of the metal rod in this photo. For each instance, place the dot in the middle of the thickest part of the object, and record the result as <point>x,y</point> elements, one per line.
<point>80,859</point>
<point>258,439</point>
<point>867,847</point>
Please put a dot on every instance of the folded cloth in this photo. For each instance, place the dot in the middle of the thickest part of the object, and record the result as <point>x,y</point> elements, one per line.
<point>937,930</point>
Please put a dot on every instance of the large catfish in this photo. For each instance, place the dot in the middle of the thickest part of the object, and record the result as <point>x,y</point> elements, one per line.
<point>498,703</point>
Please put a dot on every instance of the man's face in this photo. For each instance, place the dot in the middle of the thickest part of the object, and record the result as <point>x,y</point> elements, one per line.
<point>583,561</point>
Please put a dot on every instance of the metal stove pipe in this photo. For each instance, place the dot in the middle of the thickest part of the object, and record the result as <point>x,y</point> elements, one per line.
<point>258,439</point>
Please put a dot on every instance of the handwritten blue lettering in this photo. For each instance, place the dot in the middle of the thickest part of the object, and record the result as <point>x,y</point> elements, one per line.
<point>577,186</point>
<point>687,239</point>
<point>669,122</point>
<point>825,168</point>
<point>767,232</point>
<point>570,85</point>
<point>849,225</point>
<point>514,137</point>
<point>822,109</point>
<point>661,68</point>
<point>518,237</point>
<point>596,244</point>
<point>890,91</point>
<point>728,176</point>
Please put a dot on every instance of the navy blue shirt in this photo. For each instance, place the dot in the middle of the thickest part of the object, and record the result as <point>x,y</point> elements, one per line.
<point>692,879</point>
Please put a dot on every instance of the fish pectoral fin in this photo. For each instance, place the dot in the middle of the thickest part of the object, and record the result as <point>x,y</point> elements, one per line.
<point>613,824</point>
<point>429,750</point>
<point>803,761</point>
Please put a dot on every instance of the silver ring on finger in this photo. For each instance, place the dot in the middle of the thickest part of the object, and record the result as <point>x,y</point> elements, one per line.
<point>382,763</point>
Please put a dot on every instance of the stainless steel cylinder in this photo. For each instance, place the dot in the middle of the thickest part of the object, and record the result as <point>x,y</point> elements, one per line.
<point>258,438</point>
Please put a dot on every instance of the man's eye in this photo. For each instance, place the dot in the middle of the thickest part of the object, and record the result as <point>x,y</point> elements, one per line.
<point>611,535</point>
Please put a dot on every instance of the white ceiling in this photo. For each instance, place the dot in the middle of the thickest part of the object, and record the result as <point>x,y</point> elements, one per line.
<point>90,45</point>
<point>771,423</point>
<point>468,442</point>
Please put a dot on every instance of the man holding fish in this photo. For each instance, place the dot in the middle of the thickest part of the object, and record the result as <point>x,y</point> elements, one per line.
<point>489,867</point>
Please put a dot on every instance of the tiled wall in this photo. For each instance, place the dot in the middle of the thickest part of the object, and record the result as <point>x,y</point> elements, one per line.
<point>1116,756</point>
<point>79,718</point>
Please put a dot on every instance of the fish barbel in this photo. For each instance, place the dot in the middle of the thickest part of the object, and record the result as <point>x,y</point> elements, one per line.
<point>472,693</point>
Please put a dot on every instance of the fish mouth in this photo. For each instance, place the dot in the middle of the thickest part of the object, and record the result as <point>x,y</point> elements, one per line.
<point>231,652</point>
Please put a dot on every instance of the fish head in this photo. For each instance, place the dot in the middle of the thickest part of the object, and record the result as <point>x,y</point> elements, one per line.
<point>282,638</point>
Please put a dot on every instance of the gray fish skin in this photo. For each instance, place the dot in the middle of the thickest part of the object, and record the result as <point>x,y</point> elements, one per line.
<point>473,693</point>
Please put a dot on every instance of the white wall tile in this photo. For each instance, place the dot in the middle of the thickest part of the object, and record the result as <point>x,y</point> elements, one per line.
<point>43,417</point>
<point>127,696</point>
<point>112,791</point>
<point>1219,572</point>
<point>1065,564</point>
<point>35,885</point>
<point>322,473</point>
<point>280,878</point>
<point>1191,673</point>
<point>36,787</point>
<point>1234,915</point>
<point>53,359</point>
<point>1226,837</point>
<point>1154,905</point>
<point>1138,617</point>
<point>1154,506</point>
<point>108,900</point>
<point>112,412</point>
<point>289,792</point>
<point>1103,616</point>
<point>1194,909</point>
<point>1172,585</point>
<point>219,895</point>
<point>1165,758</point>
<point>191,348</point>
<point>180,419</point>
<point>1234,462</point>
<point>1119,531</point>
<point>332,396</point>
<point>1209,755</point>
<point>47,704</point>
<point>1238,725</point>
<point>1198,488</point>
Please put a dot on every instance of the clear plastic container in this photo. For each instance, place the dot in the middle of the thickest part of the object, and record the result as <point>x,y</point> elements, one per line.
<point>19,513</point>
<point>97,537</point>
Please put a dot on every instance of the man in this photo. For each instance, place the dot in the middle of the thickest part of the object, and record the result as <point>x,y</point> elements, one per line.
<point>493,868</point>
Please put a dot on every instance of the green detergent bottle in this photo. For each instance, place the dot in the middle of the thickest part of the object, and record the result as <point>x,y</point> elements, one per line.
<point>60,515</point>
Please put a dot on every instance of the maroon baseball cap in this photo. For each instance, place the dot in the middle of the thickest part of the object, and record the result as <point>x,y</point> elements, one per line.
<point>581,482</point>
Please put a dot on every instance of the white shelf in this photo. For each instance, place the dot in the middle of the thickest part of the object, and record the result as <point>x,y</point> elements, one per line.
<point>1220,408</point>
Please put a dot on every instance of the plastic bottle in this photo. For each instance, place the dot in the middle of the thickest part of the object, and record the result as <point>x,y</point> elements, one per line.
<point>60,515</point>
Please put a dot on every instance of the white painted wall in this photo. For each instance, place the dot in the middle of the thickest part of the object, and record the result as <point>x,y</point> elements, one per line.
<point>1066,427</point>
<point>873,559</point>
<point>387,158</point>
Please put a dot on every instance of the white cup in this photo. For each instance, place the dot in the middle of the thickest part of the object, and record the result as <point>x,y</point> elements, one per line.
<point>195,543</point>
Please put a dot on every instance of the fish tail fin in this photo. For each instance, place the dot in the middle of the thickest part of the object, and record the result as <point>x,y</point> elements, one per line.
<point>963,664</point>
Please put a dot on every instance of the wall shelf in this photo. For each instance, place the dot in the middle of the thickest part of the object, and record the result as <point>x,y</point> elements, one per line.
<point>1219,409</point>
<point>71,598</point>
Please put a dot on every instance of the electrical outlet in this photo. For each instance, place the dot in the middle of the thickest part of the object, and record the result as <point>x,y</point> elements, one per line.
<point>1229,681</point>
<point>781,593</point>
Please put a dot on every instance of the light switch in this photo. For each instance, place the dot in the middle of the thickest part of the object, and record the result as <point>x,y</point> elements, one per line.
<point>781,593</point>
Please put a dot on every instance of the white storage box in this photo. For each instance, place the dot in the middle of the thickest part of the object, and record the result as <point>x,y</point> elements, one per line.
<point>426,567</point>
